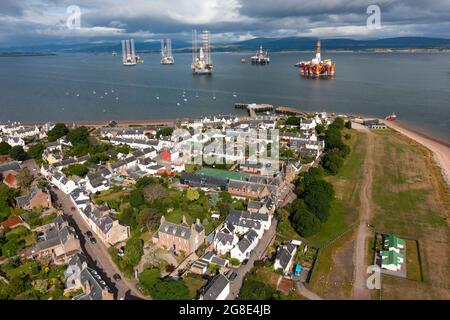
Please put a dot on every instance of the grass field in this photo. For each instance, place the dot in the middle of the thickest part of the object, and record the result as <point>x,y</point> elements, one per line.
<point>223,174</point>
<point>411,200</point>
<point>333,271</point>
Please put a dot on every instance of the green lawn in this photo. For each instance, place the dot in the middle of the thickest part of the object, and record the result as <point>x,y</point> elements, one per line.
<point>344,208</point>
<point>223,174</point>
<point>194,282</point>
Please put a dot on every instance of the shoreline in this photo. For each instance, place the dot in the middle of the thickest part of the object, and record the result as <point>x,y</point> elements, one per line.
<point>440,149</point>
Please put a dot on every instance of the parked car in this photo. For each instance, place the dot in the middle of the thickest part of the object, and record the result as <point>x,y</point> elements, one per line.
<point>92,240</point>
<point>117,277</point>
<point>72,208</point>
<point>233,276</point>
<point>89,234</point>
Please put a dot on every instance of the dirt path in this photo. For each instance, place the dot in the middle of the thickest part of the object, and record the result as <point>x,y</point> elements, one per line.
<point>360,291</point>
<point>307,293</point>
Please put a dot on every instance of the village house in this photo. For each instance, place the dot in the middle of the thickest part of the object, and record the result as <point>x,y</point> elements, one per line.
<point>108,229</point>
<point>284,258</point>
<point>57,242</point>
<point>225,239</point>
<point>14,222</point>
<point>61,182</point>
<point>76,264</point>
<point>37,197</point>
<point>245,246</point>
<point>217,289</point>
<point>206,182</point>
<point>93,286</point>
<point>9,171</point>
<point>80,198</point>
<point>200,266</point>
<point>98,181</point>
<point>179,237</point>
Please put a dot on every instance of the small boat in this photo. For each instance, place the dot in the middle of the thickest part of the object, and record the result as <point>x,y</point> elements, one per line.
<point>157,97</point>
<point>391,117</point>
<point>234,94</point>
<point>117,98</point>
<point>178,104</point>
<point>67,93</point>
<point>185,100</point>
<point>214,98</point>
<point>78,94</point>
<point>101,97</point>
<point>93,92</point>
<point>106,93</point>
<point>243,60</point>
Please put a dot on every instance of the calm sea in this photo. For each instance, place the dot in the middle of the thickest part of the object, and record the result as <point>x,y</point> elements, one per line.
<point>97,87</point>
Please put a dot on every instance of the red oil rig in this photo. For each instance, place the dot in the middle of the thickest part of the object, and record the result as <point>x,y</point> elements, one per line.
<point>317,67</point>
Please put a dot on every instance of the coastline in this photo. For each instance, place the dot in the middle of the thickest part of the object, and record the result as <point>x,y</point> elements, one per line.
<point>440,149</point>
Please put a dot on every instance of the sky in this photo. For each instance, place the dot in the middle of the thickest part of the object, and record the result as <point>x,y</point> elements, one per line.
<point>39,22</point>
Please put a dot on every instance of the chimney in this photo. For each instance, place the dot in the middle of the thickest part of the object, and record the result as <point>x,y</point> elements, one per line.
<point>163,219</point>
<point>184,219</point>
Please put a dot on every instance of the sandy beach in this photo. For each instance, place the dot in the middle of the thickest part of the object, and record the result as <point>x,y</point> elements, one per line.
<point>440,149</point>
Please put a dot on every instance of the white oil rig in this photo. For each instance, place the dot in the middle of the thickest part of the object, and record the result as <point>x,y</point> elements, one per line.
<point>166,52</point>
<point>129,57</point>
<point>261,57</point>
<point>201,57</point>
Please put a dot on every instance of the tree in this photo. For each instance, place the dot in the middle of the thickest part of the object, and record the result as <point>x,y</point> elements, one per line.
<point>137,198</point>
<point>318,196</point>
<point>58,131</point>
<point>24,178</point>
<point>338,123</point>
<point>304,222</point>
<point>4,148</point>
<point>149,217</point>
<point>35,151</point>
<point>348,124</point>
<point>332,161</point>
<point>192,194</point>
<point>234,261</point>
<point>78,136</point>
<point>164,132</point>
<point>134,249</point>
<point>77,169</point>
<point>155,191</point>
<point>17,153</point>
<point>293,121</point>
<point>320,128</point>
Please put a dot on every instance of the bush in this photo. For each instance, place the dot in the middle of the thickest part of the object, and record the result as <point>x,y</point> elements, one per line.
<point>78,136</point>
<point>348,124</point>
<point>58,131</point>
<point>35,151</point>
<point>78,169</point>
<point>4,148</point>
<point>304,222</point>
<point>332,162</point>
<point>234,261</point>
<point>160,289</point>
<point>256,290</point>
<point>17,153</point>
<point>137,198</point>
<point>134,249</point>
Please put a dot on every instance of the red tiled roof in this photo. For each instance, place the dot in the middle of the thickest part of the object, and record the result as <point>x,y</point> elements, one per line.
<point>12,222</point>
<point>10,179</point>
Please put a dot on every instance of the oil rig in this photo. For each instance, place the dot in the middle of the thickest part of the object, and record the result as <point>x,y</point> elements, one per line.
<point>166,52</point>
<point>129,56</point>
<point>317,67</point>
<point>201,57</point>
<point>261,57</point>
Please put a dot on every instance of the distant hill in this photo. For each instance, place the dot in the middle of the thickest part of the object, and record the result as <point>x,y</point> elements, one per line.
<point>272,44</point>
<point>293,43</point>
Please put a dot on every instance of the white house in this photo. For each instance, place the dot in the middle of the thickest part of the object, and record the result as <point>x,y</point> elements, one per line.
<point>225,239</point>
<point>285,257</point>
<point>61,182</point>
<point>245,246</point>
<point>217,289</point>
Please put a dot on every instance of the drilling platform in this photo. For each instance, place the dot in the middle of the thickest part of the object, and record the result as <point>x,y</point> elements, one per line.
<point>317,67</point>
<point>201,57</point>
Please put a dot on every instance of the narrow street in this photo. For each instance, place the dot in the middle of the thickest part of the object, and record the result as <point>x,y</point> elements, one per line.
<point>257,254</point>
<point>360,290</point>
<point>97,254</point>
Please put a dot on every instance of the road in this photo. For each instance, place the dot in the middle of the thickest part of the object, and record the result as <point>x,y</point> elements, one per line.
<point>360,290</point>
<point>97,254</point>
<point>257,254</point>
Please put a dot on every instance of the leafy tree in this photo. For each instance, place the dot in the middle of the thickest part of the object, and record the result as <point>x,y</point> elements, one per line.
<point>332,161</point>
<point>160,289</point>
<point>58,131</point>
<point>77,169</point>
<point>149,217</point>
<point>192,194</point>
<point>137,198</point>
<point>256,290</point>
<point>338,123</point>
<point>78,136</point>
<point>134,249</point>
<point>128,217</point>
<point>348,124</point>
<point>164,132</point>
<point>304,222</point>
<point>35,151</point>
<point>293,121</point>
<point>24,178</point>
<point>4,148</point>
<point>318,197</point>
<point>17,153</point>
<point>320,128</point>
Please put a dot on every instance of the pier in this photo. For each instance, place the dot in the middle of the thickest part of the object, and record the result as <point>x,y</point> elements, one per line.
<point>253,108</point>
<point>291,111</point>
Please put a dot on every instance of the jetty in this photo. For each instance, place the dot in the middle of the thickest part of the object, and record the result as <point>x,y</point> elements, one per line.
<point>253,108</point>
<point>290,110</point>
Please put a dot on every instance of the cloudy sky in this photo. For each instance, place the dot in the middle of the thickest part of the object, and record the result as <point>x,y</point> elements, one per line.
<point>32,22</point>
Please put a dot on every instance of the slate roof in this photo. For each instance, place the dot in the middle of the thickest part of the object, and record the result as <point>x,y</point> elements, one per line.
<point>215,287</point>
<point>178,230</point>
<point>284,254</point>
<point>10,166</point>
